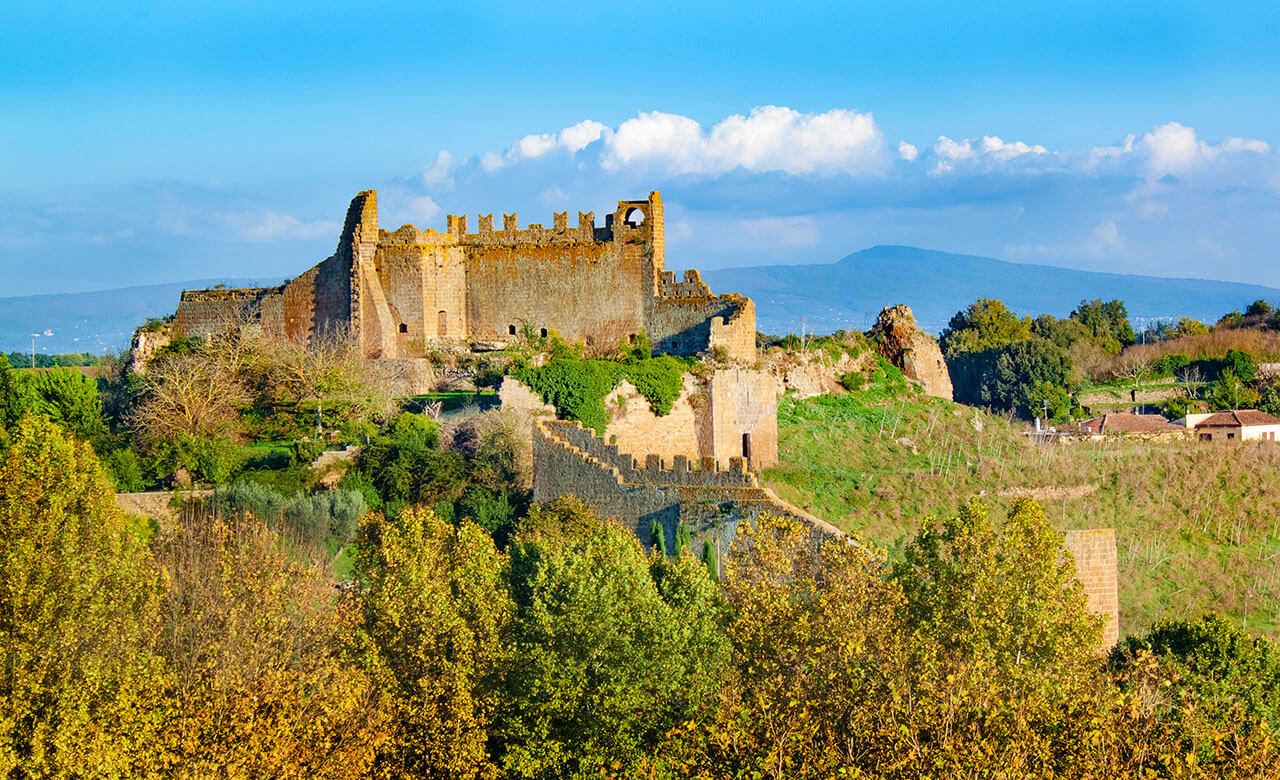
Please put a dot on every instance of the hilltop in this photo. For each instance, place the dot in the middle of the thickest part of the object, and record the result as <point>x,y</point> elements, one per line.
<point>849,293</point>
<point>1196,523</point>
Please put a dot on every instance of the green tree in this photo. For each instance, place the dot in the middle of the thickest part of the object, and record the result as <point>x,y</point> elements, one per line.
<point>1107,322</point>
<point>658,538</point>
<point>430,618</point>
<point>1223,668</point>
<point>605,660</point>
<point>1021,373</point>
<point>1260,308</point>
<point>1002,601</point>
<point>985,324</point>
<point>16,395</point>
<point>71,399</point>
<point>81,691</point>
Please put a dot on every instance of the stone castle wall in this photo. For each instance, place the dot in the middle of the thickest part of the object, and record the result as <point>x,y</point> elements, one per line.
<point>1097,569</point>
<point>395,292</point>
<point>710,497</point>
<point>732,413</point>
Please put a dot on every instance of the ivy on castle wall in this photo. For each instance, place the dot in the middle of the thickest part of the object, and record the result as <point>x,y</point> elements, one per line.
<point>577,386</point>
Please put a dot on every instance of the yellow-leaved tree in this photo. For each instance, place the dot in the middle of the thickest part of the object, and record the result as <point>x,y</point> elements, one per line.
<point>79,687</point>
<point>427,619</point>
<point>249,631</point>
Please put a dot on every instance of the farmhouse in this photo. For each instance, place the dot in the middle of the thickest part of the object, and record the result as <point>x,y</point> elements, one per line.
<point>1233,425</point>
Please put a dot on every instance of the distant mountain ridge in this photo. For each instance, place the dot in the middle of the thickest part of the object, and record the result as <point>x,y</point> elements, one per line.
<point>98,321</point>
<point>849,293</point>
<point>845,294</point>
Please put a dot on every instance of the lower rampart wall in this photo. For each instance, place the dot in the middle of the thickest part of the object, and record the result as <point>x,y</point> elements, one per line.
<point>711,499</point>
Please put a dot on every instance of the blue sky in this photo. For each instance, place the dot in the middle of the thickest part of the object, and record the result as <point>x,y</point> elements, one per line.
<point>146,142</point>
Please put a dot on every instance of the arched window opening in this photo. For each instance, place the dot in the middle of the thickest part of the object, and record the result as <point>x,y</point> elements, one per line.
<point>442,323</point>
<point>634,217</point>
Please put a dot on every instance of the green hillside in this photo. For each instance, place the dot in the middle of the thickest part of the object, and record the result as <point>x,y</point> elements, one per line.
<point>1198,526</point>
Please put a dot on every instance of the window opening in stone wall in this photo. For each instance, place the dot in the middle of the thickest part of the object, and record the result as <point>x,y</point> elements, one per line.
<point>442,323</point>
<point>543,332</point>
<point>1206,437</point>
<point>746,446</point>
<point>631,339</point>
<point>404,328</point>
<point>634,218</point>
<point>511,330</point>
<point>1231,435</point>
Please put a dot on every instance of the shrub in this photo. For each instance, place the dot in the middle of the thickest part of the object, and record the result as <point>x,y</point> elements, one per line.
<point>124,470</point>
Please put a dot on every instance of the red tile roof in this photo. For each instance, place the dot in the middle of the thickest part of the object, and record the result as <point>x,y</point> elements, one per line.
<point>1238,418</point>
<point>1129,423</point>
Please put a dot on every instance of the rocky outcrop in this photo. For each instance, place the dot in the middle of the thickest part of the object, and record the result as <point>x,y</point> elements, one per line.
<point>912,350</point>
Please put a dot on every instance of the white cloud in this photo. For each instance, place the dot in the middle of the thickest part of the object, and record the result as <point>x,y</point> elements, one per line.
<point>270,226</point>
<point>769,138</point>
<point>572,139</point>
<point>435,174</point>
<point>1234,144</point>
<point>907,151</point>
<point>1174,149</point>
<point>989,149</point>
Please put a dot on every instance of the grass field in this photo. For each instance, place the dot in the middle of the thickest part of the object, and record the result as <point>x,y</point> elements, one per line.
<point>1198,525</point>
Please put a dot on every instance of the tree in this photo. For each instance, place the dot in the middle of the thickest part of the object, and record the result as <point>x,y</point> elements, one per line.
<point>248,633</point>
<point>1001,602</point>
<point>609,650</point>
<point>71,399</point>
<point>1107,322</point>
<point>82,692</point>
<point>657,537</point>
<point>189,395</point>
<point>430,617</point>
<point>1023,367</point>
<point>814,627</point>
<point>985,324</point>
<point>326,368</point>
<point>1224,668</point>
<point>1260,308</point>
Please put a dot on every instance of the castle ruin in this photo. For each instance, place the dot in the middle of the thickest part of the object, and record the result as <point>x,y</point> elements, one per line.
<point>394,293</point>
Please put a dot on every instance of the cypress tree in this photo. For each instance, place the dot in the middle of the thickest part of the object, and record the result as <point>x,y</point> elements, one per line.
<point>657,538</point>
<point>709,558</point>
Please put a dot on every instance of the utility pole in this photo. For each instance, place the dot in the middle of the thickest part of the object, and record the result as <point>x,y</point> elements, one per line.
<point>33,349</point>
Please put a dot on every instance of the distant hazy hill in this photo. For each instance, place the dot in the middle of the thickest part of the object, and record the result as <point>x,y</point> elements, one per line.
<point>103,320</point>
<point>850,293</point>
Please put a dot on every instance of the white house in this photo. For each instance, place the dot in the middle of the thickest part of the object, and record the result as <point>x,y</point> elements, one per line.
<point>1237,424</point>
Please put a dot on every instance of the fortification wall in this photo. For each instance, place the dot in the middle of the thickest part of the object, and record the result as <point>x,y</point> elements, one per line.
<point>733,413</point>
<point>711,499</point>
<point>1097,569</point>
<point>743,415</point>
<point>201,312</point>
<point>638,431</point>
<point>589,292</point>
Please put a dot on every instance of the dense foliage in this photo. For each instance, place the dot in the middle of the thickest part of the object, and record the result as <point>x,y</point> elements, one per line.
<point>577,386</point>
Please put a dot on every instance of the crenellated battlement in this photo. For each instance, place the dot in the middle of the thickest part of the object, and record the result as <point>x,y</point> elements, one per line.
<point>224,295</point>
<point>691,286</point>
<point>682,470</point>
